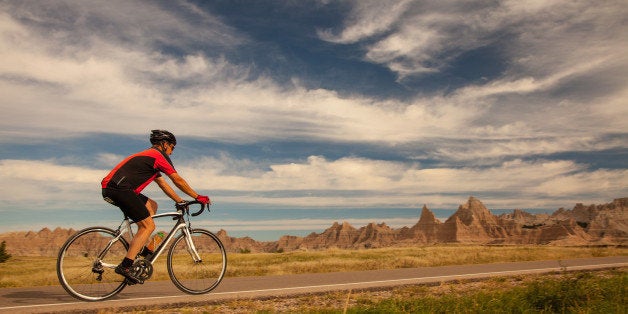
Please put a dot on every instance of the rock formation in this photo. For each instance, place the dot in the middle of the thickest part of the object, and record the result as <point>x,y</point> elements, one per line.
<point>472,223</point>
<point>426,230</point>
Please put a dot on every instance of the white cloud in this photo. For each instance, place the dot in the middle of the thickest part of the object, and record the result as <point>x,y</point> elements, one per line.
<point>583,183</point>
<point>47,171</point>
<point>301,224</point>
<point>31,183</point>
<point>377,182</point>
<point>368,17</point>
<point>112,97</point>
<point>544,36</point>
<point>550,49</point>
<point>97,70</point>
<point>478,152</point>
<point>361,182</point>
<point>97,83</point>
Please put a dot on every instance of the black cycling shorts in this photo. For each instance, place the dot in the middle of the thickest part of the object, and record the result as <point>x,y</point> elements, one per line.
<point>132,205</point>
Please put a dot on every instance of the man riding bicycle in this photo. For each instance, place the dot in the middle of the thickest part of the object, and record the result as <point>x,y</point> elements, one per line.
<point>122,187</point>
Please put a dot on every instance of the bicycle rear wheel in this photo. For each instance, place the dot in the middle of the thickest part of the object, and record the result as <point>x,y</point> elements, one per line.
<point>197,276</point>
<point>86,263</point>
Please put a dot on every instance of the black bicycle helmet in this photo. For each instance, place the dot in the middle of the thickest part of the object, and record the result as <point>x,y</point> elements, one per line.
<point>158,136</point>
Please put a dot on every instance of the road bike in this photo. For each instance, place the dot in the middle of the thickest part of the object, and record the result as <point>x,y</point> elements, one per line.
<point>196,260</point>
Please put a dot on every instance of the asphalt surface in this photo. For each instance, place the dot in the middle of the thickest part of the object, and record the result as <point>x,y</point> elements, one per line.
<point>54,299</point>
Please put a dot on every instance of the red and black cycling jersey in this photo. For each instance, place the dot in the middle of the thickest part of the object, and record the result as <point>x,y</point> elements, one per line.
<point>137,171</point>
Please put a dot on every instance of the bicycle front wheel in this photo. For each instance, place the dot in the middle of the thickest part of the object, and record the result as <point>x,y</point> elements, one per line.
<point>197,267</point>
<point>86,263</point>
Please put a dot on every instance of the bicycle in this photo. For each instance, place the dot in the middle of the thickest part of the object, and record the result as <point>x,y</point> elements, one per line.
<point>196,260</point>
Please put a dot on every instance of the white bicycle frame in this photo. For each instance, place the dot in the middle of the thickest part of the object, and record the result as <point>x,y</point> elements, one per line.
<point>125,228</point>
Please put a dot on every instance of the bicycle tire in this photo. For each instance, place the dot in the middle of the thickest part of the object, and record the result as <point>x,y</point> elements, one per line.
<point>82,273</point>
<point>197,277</point>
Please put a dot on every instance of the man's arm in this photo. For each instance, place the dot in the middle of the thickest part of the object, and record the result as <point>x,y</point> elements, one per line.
<point>180,183</point>
<point>168,190</point>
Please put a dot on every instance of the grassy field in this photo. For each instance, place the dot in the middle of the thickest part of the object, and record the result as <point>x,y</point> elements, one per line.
<point>37,271</point>
<point>572,292</point>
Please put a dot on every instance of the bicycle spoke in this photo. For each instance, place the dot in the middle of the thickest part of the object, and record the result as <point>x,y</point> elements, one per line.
<point>194,276</point>
<point>80,270</point>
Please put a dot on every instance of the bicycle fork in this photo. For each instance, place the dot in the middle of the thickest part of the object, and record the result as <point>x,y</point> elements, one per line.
<point>190,245</point>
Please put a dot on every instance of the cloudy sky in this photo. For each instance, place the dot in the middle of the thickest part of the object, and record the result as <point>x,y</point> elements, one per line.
<point>319,104</point>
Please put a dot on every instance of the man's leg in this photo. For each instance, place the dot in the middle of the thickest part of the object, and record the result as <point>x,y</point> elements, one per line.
<point>144,229</point>
<point>151,206</point>
<point>135,207</point>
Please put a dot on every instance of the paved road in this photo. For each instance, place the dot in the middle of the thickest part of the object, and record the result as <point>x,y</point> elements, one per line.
<point>55,299</point>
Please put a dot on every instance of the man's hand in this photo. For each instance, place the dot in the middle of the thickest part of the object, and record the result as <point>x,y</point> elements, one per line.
<point>181,205</point>
<point>203,199</point>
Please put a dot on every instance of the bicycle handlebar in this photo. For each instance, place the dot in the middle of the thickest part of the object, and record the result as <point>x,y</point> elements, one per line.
<point>187,207</point>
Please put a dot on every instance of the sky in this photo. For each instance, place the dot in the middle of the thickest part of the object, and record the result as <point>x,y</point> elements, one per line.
<point>296,106</point>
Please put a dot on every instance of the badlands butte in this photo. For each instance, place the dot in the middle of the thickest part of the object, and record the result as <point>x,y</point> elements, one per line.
<point>472,223</point>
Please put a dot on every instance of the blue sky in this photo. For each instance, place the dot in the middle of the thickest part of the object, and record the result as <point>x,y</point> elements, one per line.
<point>318,104</point>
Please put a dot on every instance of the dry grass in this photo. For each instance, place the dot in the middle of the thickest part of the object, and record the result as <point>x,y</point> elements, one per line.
<point>38,271</point>
<point>494,295</point>
<point>333,260</point>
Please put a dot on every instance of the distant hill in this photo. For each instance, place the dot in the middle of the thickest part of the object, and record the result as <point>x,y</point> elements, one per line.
<point>472,223</point>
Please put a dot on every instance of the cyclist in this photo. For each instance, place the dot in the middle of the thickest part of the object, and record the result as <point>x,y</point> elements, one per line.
<point>122,187</point>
